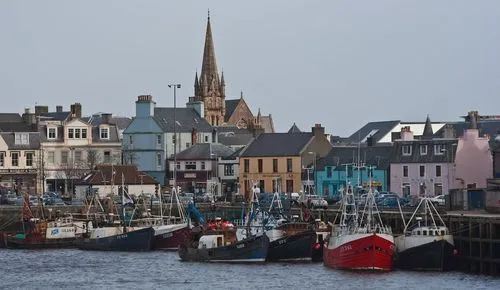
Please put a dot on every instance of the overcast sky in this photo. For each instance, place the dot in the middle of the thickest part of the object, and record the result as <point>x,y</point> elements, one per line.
<point>339,63</point>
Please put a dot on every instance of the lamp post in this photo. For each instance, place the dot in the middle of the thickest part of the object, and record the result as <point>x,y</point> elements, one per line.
<point>175,87</point>
<point>314,169</point>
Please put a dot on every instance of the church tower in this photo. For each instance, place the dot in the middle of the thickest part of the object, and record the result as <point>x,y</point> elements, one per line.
<point>209,88</point>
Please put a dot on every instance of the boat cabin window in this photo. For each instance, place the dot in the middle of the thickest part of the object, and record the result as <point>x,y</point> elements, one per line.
<point>443,233</point>
<point>424,233</point>
<point>418,232</point>
<point>219,241</point>
<point>431,233</point>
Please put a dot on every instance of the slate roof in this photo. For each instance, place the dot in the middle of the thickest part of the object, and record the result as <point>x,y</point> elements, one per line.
<point>17,127</point>
<point>103,175</point>
<point>234,155</point>
<point>277,144</point>
<point>490,127</point>
<point>294,129</point>
<point>113,135</point>
<point>186,119</point>
<point>450,146</point>
<point>378,156</point>
<point>56,116</point>
<point>97,119</point>
<point>203,151</point>
<point>34,141</point>
<point>230,107</point>
<point>10,118</point>
<point>377,130</point>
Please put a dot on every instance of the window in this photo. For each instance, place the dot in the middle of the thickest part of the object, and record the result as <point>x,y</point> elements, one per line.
<point>228,170</point>
<point>438,170</point>
<point>78,155</point>
<point>246,165</point>
<point>439,149</point>
<point>130,139</point>
<point>71,133</point>
<point>422,170</point>
<point>104,133</point>
<point>260,165</point>
<point>289,186</point>
<point>329,170</point>
<point>84,133</point>
<point>190,165</point>
<point>262,186</point>
<point>29,159</point>
<point>158,159</point>
<point>2,159</point>
<point>438,188</point>
<point>158,139</point>
<point>178,165</point>
<point>15,158</point>
<point>203,165</point>
<point>107,157</point>
<point>64,157</point>
<point>406,189</point>
<point>52,133</point>
<point>405,171</point>
<point>275,165</point>
<point>21,138</point>
<point>289,165</point>
<point>77,133</point>
<point>51,157</point>
<point>206,138</point>
<point>188,144</point>
<point>349,171</point>
<point>406,150</point>
<point>423,149</point>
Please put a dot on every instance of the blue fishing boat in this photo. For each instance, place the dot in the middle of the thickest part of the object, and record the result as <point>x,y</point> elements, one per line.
<point>135,240</point>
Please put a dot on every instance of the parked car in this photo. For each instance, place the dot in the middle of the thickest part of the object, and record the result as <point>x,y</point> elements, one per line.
<point>438,199</point>
<point>313,201</point>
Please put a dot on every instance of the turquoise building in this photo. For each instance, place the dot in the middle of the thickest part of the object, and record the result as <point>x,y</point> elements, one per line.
<point>340,165</point>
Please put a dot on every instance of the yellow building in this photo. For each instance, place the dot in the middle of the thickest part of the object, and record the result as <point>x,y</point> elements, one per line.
<point>275,161</point>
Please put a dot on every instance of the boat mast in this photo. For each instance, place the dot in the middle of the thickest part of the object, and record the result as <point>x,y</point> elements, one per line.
<point>123,204</point>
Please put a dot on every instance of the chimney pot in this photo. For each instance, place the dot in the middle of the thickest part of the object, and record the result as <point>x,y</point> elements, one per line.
<point>59,109</point>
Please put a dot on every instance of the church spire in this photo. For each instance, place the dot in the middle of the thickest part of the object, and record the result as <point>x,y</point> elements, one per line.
<point>209,66</point>
<point>428,133</point>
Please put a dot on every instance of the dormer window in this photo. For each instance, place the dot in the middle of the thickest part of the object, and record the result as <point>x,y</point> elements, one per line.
<point>71,133</point>
<point>439,149</point>
<point>21,138</point>
<point>51,133</point>
<point>104,133</point>
<point>406,149</point>
<point>423,149</point>
<point>84,133</point>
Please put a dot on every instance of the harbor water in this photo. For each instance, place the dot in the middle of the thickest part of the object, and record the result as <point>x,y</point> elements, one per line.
<point>75,269</point>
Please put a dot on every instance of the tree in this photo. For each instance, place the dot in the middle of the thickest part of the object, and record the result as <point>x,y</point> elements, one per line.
<point>129,157</point>
<point>93,158</point>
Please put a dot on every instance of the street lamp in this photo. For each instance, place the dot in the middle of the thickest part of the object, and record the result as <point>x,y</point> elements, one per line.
<point>314,169</point>
<point>175,86</point>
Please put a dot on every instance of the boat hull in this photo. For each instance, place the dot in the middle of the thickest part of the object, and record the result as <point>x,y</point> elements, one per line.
<point>137,240</point>
<point>296,247</point>
<point>170,239</point>
<point>12,242</point>
<point>319,245</point>
<point>360,252</point>
<point>433,256</point>
<point>251,250</point>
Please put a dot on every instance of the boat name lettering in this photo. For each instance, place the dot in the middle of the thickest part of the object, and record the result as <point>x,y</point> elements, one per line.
<point>122,236</point>
<point>282,242</point>
<point>240,246</point>
<point>346,248</point>
<point>167,235</point>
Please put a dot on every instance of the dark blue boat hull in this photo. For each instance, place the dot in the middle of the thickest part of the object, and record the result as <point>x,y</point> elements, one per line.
<point>434,256</point>
<point>296,247</point>
<point>138,240</point>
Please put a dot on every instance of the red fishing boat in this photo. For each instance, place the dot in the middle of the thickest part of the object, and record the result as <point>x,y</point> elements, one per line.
<point>364,244</point>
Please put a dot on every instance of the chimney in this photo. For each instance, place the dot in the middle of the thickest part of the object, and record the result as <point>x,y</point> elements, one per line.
<point>473,117</point>
<point>194,136</point>
<point>406,134</point>
<point>59,109</point>
<point>106,118</point>
<point>318,130</point>
<point>76,110</point>
<point>214,136</point>
<point>41,110</point>
<point>449,131</point>
<point>196,104</point>
<point>28,117</point>
<point>144,106</point>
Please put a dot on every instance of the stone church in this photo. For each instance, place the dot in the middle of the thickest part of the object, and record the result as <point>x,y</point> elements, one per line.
<point>210,94</point>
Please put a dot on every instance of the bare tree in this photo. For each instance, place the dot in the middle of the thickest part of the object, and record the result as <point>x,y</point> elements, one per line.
<point>93,158</point>
<point>129,157</point>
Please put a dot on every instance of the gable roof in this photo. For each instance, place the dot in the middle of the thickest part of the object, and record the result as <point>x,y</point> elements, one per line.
<point>378,156</point>
<point>10,118</point>
<point>97,119</point>
<point>204,151</point>
<point>230,107</point>
<point>186,119</point>
<point>103,175</point>
<point>56,116</point>
<point>17,127</point>
<point>277,144</point>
